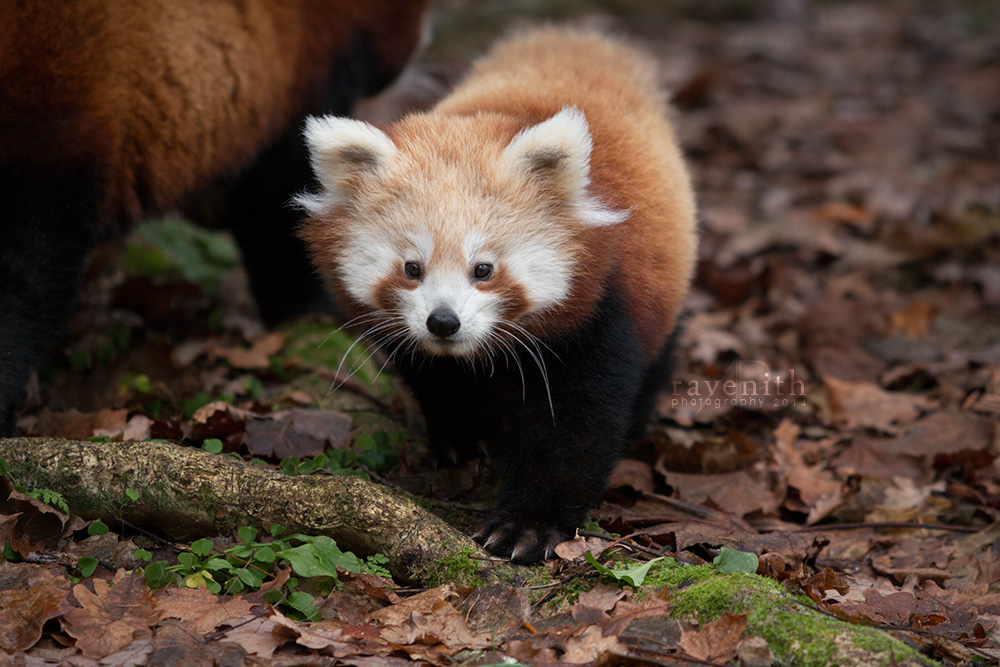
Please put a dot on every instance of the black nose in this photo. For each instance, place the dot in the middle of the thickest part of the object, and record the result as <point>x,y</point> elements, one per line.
<point>443,322</point>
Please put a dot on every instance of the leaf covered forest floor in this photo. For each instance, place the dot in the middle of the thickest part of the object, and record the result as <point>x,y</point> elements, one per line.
<point>836,403</point>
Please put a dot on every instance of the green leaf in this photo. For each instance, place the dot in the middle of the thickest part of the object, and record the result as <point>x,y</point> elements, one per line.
<point>265,555</point>
<point>212,446</point>
<point>142,384</point>
<point>246,533</point>
<point>200,580</point>
<point>50,497</point>
<point>272,596</point>
<point>251,577</point>
<point>219,565</point>
<point>302,602</point>
<point>132,494</point>
<point>87,566</point>
<point>202,547</point>
<point>97,528</point>
<point>186,558</point>
<point>277,529</point>
<point>142,555</point>
<point>633,576</point>
<point>3,467</point>
<point>730,561</point>
<point>156,574</point>
<point>320,557</point>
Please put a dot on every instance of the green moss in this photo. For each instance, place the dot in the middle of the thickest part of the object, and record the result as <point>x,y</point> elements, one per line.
<point>455,568</point>
<point>318,343</point>
<point>671,574</point>
<point>795,633</point>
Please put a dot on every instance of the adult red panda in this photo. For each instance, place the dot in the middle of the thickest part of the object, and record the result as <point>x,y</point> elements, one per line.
<point>111,111</point>
<point>521,251</point>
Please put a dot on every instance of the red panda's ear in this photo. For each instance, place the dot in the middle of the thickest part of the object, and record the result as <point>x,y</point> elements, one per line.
<point>340,148</point>
<point>558,150</point>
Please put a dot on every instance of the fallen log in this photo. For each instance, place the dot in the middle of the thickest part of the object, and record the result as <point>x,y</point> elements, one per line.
<point>185,493</point>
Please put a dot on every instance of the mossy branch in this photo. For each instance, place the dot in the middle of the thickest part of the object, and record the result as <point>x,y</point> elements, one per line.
<point>186,493</point>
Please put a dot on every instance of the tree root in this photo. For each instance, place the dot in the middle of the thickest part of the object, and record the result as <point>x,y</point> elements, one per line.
<point>186,493</point>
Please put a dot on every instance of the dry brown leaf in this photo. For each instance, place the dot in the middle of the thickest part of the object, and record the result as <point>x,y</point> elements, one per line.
<point>602,596</point>
<point>737,492</point>
<point>889,609</point>
<point>109,619</point>
<point>842,212</point>
<point>24,612</point>
<point>818,584</point>
<point>76,425</point>
<point>590,645</point>
<point>329,637</point>
<point>634,474</point>
<point>818,488</point>
<point>496,610</point>
<point>257,636</point>
<point>257,357</point>
<point>202,609</point>
<point>577,547</point>
<point>297,432</point>
<point>428,618</point>
<point>946,433</point>
<point>27,522</point>
<point>175,643</point>
<point>715,641</point>
<point>915,321</point>
<point>855,405</point>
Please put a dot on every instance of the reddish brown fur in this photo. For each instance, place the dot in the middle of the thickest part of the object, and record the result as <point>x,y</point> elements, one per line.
<point>161,97</point>
<point>636,164</point>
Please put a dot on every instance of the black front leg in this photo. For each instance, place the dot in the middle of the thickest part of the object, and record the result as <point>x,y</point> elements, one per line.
<point>455,403</point>
<point>46,232</point>
<point>556,458</point>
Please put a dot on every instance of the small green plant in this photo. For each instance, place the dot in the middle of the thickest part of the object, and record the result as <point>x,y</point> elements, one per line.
<point>50,497</point>
<point>253,386</point>
<point>245,566</point>
<point>376,452</point>
<point>730,560</point>
<point>98,527</point>
<point>212,446</point>
<point>175,247</point>
<point>137,384</point>
<point>87,566</point>
<point>634,576</point>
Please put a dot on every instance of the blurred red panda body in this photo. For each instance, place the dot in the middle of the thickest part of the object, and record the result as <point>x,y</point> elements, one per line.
<point>543,209</point>
<point>112,111</point>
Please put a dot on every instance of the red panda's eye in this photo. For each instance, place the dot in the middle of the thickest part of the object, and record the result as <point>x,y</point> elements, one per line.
<point>483,271</point>
<point>412,270</point>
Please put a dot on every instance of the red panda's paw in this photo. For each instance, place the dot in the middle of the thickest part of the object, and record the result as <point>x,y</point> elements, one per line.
<point>514,536</point>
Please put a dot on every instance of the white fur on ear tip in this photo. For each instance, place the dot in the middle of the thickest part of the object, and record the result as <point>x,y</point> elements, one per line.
<point>559,148</point>
<point>338,149</point>
<point>561,143</point>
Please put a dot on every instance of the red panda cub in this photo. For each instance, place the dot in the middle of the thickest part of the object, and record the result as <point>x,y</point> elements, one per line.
<point>521,252</point>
